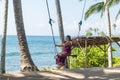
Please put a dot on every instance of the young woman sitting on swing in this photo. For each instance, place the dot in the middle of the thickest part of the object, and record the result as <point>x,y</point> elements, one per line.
<point>61,57</point>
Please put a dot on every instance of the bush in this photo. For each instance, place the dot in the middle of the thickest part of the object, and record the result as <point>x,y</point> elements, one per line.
<point>93,57</point>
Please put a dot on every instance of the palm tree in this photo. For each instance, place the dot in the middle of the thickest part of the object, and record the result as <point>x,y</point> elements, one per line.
<point>109,34</point>
<point>60,22</point>
<point>3,46</point>
<point>111,3</point>
<point>96,8</point>
<point>100,7</point>
<point>26,63</point>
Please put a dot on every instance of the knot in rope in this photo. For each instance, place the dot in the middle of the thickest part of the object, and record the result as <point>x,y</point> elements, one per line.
<point>51,21</point>
<point>80,23</point>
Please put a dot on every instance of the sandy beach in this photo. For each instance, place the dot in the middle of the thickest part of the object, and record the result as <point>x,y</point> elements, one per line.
<point>67,74</point>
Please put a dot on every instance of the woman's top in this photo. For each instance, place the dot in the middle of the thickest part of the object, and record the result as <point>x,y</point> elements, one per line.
<point>67,48</point>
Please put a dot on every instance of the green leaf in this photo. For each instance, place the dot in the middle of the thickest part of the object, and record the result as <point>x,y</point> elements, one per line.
<point>117,15</point>
<point>94,9</point>
<point>111,3</point>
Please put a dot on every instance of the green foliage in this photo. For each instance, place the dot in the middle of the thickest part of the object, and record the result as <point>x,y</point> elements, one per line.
<point>94,9</point>
<point>94,31</point>
<point>117,15</point>
<point>116,61</point>
<point>88,34</point>
<point>95,58</point>
<point>111,3</point>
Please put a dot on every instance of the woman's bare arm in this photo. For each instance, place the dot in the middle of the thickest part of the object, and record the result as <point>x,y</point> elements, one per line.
<point>62,45</point>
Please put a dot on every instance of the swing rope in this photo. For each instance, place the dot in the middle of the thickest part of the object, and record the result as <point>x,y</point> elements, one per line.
<point>80,23</point>
<point>50,22</point>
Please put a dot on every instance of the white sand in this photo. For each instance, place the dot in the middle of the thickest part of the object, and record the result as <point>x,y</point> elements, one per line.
<point>67,74</point>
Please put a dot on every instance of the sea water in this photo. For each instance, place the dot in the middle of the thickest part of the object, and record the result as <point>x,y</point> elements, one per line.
<point>41,49</point>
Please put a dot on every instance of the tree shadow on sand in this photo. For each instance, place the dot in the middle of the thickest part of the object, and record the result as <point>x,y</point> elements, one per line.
<point>67,74</point>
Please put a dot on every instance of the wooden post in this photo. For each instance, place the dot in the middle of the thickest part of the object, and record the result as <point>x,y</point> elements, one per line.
<point>66,63</point>
<point>86,54</point>
<point>105,50</point>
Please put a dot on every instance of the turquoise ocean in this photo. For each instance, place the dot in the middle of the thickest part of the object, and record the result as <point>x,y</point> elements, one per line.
<point>41,50</point>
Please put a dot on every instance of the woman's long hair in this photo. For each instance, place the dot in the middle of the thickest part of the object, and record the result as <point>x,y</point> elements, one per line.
<point>69,37</point>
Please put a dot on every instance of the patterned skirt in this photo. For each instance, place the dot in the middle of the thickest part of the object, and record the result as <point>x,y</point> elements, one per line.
<point>61,57</point>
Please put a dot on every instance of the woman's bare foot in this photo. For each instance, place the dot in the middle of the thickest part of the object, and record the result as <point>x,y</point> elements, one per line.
<point>56,57</point>
<point>59,66</point>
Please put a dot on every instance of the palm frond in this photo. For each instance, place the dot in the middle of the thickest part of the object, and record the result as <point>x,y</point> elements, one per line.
<point>117,15</point>
<point>94,9</point>
<point>111,3</point>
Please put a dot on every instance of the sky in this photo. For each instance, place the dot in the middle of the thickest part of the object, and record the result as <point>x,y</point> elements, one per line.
<point>36,17</point>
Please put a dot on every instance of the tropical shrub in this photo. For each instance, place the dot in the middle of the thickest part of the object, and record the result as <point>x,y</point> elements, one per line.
<point>91,57</point>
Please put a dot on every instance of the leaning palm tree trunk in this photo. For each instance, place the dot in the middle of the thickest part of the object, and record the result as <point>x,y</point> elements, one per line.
<point>60,22</point>
<point>26,63</point>
<point>109,34</point>
<point>3,46</point>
